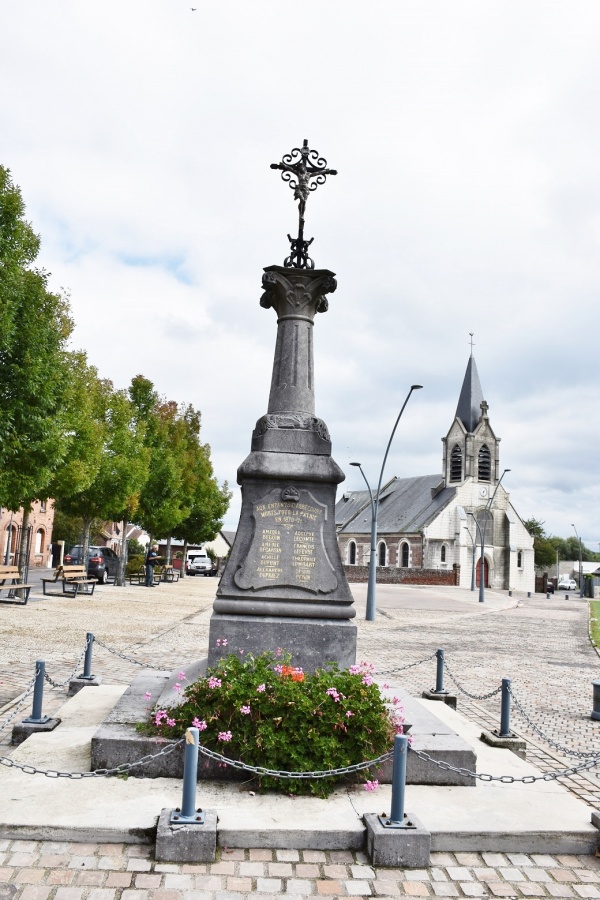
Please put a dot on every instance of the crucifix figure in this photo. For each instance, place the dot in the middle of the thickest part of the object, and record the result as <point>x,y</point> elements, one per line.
<point>304,170</point>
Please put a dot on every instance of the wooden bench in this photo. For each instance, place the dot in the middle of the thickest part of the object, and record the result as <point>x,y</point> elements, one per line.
<point>139,577</point>
<point>167,573</point>
<point>72,578</point>
<point>15,583</point>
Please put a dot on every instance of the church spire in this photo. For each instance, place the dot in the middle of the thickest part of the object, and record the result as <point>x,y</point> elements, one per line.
<point>471,397</point>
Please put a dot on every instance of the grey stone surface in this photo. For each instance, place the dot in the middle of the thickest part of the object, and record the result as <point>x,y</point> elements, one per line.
<point>449,699</point>
<point>76,684</point>
<point>392,848</point>
<point>517,745</point>
<point>170,695</point>
<point>312,642</point>
<point>291,838</point>
<point>22,730</point>
<point>186,843</point>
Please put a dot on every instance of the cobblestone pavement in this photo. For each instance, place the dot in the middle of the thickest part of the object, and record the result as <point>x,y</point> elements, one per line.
<point>34,870</point>
<point>542,645</point>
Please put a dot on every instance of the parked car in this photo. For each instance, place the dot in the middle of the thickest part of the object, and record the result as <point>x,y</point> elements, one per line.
<point>567,584</point>
<point>199,563</point>
<point>103,562</point>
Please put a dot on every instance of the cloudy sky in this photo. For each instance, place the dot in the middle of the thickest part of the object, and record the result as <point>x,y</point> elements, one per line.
<point>467,140</point>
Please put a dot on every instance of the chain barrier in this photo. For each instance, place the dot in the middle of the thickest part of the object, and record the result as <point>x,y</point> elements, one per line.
<point>465,692</point>
<point>61,684</point>
<point>407,666</point>
<point>279,773</point>
<point>19,706</point>
<point>507,779</point>
<point>129,658</point>
<point>579,754</point>
<point>99,773</point>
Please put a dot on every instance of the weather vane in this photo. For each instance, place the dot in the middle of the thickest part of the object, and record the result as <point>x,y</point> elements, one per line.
<point>304,170</point>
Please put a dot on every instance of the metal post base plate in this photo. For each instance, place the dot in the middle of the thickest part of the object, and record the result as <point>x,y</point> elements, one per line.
<point>177,819</point>
<point>386,822</point>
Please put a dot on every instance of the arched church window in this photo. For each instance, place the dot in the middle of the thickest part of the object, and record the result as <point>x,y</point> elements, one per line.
<point>485,464</point>
<point>404,554</point>
<point>443,553</point>
<point>382,554</point>
<point>352,553</point>
<point>456,463</point>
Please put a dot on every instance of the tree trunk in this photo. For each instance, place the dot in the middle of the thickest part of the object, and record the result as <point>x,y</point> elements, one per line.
<point>24,544</point>
<point>185,546</point>
<point>168,559</point>
<point>121,579</point>
<point>85,541</point>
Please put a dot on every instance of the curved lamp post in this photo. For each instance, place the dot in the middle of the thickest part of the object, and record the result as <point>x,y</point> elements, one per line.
<point>481,531</point>
<point>370,615</point>
<point>474,543</point>
<point>580,563</point>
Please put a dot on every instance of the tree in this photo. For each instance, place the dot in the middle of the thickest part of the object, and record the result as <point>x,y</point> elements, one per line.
<point>543,548</point>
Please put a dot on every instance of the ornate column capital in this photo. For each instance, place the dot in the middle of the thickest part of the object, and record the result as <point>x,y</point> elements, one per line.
<point>297,293</point>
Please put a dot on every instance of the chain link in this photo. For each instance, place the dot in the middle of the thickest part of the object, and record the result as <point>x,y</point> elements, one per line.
<point>507,779</point>
<point>99,773</point>
<point>579,754</point>
<point>129,658</point>
<point>407,666</point>
<point>465,692</point>
<point>61,684</point>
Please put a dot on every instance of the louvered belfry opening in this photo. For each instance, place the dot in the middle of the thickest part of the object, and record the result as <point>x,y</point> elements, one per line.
<point>456,464</point>
<point>485,464</point>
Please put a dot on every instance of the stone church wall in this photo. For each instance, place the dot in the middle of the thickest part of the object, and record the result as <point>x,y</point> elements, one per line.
<point>389,575</point>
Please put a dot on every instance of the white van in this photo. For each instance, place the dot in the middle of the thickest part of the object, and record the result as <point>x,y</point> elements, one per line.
<point>198,562</point>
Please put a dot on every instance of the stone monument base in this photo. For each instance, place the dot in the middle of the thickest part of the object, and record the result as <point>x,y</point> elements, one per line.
<point>312,642</point>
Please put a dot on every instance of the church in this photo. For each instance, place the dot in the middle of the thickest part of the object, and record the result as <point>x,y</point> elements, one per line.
<point>429,528</point>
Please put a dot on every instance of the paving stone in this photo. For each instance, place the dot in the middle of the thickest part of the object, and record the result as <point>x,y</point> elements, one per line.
<point>314,856</point>
<point>472,889</point>
<point>223,868</point>
<point>586,890</point>
<point>268,885</point>
<point>559,890</point>
<point>485,874</point>
<point>260,855</point>
<point>180,882</point>
<point>562,875</point>
<point>415,889</point>
<point>385,888</point>
<point>500,889</point>
<point>569,861</point>
<point>416,875</point>
<point>119,879</point>
<point>511,874</point>
<point>341,856</point>
<point>62,876</point>
<point>139,865</point>
<point>520,859</point>
<point>287,856</point>
<point>532,890</point>
<point>35,892</point>
<point>282,870</point>
<point>468,859</point>
<point>543,859</point>
<point>445,890</point>
<point>538,875</point>
<point>148,880</point>
<point>437,874</point>
<point>95,879</point>
<point>459,873</point>
<point>29,876</point>
<point>102,894</point>
<point>442,859</point>
<point>358,888</point>
<point>308,870</point>
<point>301,886</point>
<point>251,869</point>
<point>494,859</point>
<point>70,893</point>
<point>329,888</point>
<point>361,872</point>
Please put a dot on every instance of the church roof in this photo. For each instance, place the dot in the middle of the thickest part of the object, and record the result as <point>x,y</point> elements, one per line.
<point>471,398</point>
<point>406,505</point>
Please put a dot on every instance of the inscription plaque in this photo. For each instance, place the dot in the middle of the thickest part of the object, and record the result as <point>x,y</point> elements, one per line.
<point>287,548</point>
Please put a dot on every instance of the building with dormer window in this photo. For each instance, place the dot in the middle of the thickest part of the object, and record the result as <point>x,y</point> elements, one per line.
<point>428,525</point>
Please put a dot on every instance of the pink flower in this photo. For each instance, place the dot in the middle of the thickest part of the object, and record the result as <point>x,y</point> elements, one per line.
<point>368,680</point>
<point>278,652</point>
<point>224,736</point>
<point>171,723</point>
<point>147,695</point>
<point>200,725</point>
<point>349,713</point>
<point>214,683</point>
<point>181,676</point>
<point>333,693</point>
<point>395,700</point>
<point>176,686</point>
<point>245,710</point>
<point>221,642</point>
<point>371,785</point>
<point>354,670</point>
<point>278,669</point>
<point>159,716</point>
<point>386,687</point>
<point>261,688</point>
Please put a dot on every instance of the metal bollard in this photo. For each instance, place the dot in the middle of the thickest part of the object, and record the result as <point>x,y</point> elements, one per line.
<point>510,593</point>
<point>529,594</point>
<point>547,595</point>
<point>596,709</point>
<point>505,710</point>
<point>36,717</point>
<point>439,672</point>
<point>87,663</point>
<point>397,818</point>
<point>188,814</point>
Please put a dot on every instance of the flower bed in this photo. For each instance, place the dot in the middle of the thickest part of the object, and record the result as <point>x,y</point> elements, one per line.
<point>265,712</point>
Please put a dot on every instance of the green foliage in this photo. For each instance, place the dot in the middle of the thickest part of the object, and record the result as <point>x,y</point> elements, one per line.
<point>134,564</point>
<point>545,546</point>
<point>134,548</point>
<point>280,718</point>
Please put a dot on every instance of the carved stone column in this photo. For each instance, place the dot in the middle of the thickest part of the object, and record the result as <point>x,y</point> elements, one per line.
<point>284,584</point>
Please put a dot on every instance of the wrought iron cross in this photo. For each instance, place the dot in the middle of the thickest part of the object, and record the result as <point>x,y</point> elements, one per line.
<point>304,170</point>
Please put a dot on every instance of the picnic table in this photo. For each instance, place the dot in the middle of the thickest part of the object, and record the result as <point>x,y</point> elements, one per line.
<point>11,575</point>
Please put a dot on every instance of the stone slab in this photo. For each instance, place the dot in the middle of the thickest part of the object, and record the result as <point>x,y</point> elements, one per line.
<point>186,843</point>
<point>394,847</point>
<point>76,684</point>
<point>448,699</point>
<point>517,745</point>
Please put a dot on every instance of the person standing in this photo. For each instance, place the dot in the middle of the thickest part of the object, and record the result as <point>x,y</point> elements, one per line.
<point>152,558</point>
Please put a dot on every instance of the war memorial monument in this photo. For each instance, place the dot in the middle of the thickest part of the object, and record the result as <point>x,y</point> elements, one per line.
<point>284,583</point>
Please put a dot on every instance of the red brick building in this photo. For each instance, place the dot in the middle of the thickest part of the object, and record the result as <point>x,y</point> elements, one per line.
<point>41,520</point>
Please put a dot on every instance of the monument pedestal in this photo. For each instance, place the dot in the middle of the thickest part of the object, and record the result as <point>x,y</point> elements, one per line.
<point>284,584</point>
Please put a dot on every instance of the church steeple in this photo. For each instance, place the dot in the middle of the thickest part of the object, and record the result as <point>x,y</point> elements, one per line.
<point>471,449</point>
<point>471,398</point>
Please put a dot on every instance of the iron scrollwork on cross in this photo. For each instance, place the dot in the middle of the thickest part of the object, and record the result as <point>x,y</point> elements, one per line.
<point>304,170</point>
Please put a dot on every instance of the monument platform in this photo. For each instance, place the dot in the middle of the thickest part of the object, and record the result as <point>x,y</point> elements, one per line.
<point>542,817</point>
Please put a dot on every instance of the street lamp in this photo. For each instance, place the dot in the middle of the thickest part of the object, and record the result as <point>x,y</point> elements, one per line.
<point>481,531</point>
<point>472,536</point>
<point>370,614</point>
<point>580,564</point>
